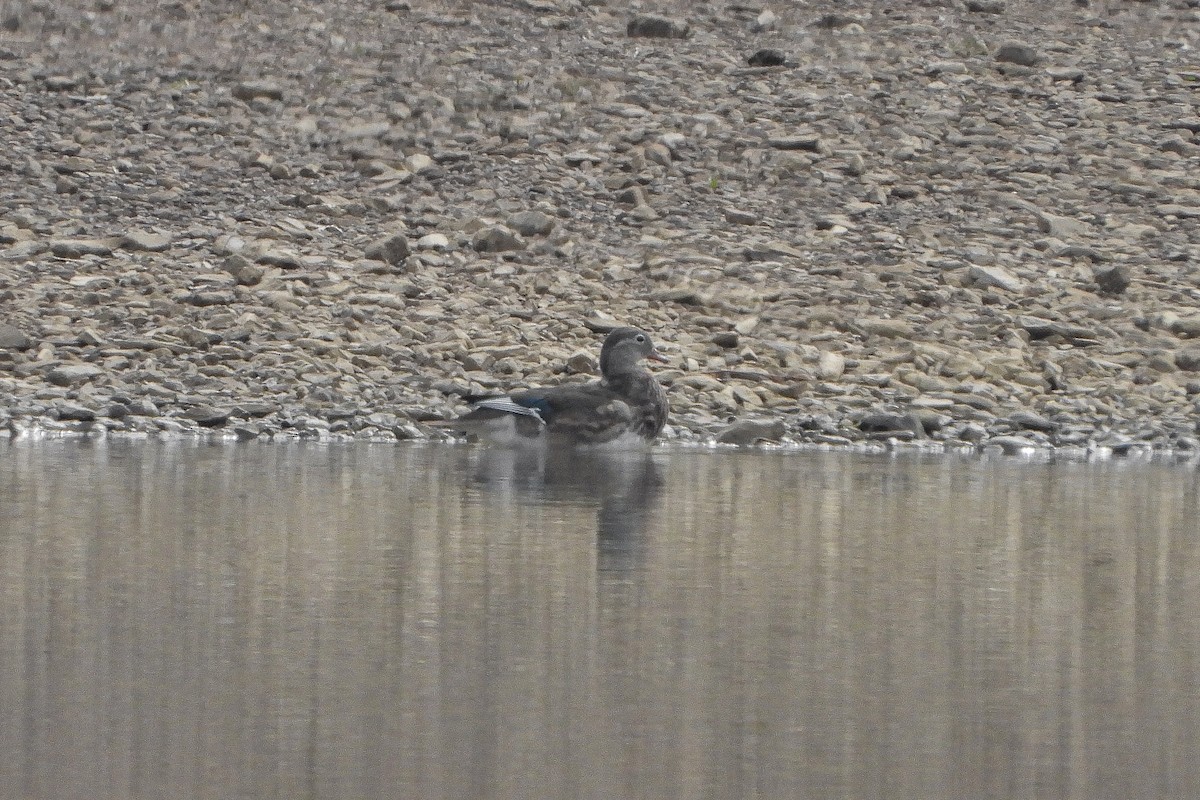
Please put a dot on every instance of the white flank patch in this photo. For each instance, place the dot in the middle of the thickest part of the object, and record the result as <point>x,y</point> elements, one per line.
<point>509,407</point>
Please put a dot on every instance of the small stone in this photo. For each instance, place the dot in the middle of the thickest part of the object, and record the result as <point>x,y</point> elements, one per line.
<point>73,374</point>
<point>631,196</point>
<point>748,432</point>
<point>250,90</point>
<point>581,362</point>
<point>496,239</point>
<point>1032,421</point>
<point>986,6</point>
<point>830,366</point>
<point>746,325</point>
<point>419,163</point>
<point>142,408</point>
<point>72,413</point>
<point>935,68</point>
<point>531,223</point>
<point>61,83</point>
<point>1018,53</point>
<point>1113,279</point>
<point>767,57</point>
<point>1180,211</point>
<point>246,432</point>
<point>1186,327</point>
<point>254,409</point>
<point>658,153</point>
<point>726,339</point>
<point>809,142</point>
<point>276,257</point>
<point>577,158</point>
<point>434,241</point>
<point>644,213</point>
<point>834,21</point>
<point>13,338</point>
<point>1012,445</point>
<point>391,249</point>
<point>905,191</point>
<point>206,299</point>
<point>77,248</point>
<point>892,423</point>
<point>658,27</point>
<point>1060,227</point>
<point>143,240</point>
<point>739,217</point>
<point>765,21</point>
<point>997,277</point>
<point>479,361</point>
<point>892,328</point>
<point>243,270</point>
<point>1072,74</point>
<point>206,416</point>
<point>601,322</point>
<point>1188,360</point>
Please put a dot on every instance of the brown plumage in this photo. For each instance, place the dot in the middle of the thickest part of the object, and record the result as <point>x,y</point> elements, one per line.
<point>626,402</point>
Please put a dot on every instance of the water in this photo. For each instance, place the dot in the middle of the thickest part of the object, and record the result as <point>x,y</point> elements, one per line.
<point>366,621</point>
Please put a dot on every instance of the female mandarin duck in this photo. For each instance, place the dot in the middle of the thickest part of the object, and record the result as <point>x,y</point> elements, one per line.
<point>626,405</point>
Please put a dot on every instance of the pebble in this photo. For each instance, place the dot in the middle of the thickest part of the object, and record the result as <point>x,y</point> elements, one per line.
<point>497,238</point>
<point>994,277</point>
<point>1188,359</point>
<point>434,241</point>
<point>13,338</point>
<point>655,26</point>
<point>70,412</point>
<point>767,57</point>
<point>145,241</point>
<point>250,90</point>
<point>1030,420</point>
<point>78,248</point>
<point>206,416</point>
<point>1018,53</point>
<point>1112,278</point>
<point>1012,445</point>
<point>530,223</point>
<point>391,249</point>
<point>748,432</point>
<point>73,374</point>
<point>986,6</point>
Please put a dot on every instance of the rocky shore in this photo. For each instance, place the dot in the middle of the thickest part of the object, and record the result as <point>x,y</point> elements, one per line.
<point>954,222</point>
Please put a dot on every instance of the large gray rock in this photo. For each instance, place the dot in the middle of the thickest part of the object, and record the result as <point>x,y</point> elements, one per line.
<point>496,239</point>
<point>994,277</point>
<point>1019,53</point>
<point>13,338</point>
<point>392,249</point>
<point>531,223</point>
<point>73,374</point>
<point>658,27</point>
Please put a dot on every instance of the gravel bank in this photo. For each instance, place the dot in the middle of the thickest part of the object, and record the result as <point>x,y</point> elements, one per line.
<point>961,222</point>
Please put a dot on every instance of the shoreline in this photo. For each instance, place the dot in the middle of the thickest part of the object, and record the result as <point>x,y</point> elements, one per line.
<point>1016,448</point>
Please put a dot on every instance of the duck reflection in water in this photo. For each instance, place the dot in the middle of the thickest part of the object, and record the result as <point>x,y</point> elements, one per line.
<point>625,486</point>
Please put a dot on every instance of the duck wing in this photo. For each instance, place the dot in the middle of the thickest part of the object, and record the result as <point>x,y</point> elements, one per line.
<point>586,414</point>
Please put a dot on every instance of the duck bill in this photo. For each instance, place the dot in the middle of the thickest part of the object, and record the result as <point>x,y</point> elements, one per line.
<point>654,355</point>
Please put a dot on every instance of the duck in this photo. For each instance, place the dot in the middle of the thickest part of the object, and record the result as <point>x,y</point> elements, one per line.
<point>626,406</point>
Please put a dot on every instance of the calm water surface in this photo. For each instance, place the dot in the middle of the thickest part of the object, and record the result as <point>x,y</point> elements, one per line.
<point>373,621</point>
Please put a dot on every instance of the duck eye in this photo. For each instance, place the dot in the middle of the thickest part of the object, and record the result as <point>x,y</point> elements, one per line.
<point>639,338</point>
